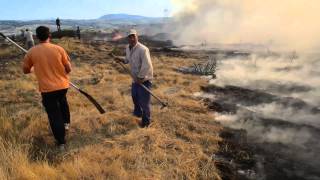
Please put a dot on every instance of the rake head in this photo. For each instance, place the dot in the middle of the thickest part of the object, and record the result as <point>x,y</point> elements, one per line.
<point>164,105</point>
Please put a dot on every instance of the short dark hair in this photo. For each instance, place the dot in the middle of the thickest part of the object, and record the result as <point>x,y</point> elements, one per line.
<point>43,33</point>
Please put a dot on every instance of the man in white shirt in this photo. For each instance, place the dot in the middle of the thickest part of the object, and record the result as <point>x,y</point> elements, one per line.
<point>138,57</point>
<point>29,38</point>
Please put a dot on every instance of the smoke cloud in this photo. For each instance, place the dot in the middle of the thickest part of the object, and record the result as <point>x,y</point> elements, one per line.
<point>277,102</point>
<point>287,24</point>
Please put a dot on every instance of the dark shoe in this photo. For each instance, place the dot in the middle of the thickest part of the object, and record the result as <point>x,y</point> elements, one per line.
<point>140,124</point>
<point>143,124</point>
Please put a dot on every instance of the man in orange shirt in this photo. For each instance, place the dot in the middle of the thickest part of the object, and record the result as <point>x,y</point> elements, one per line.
<point>51,66</point>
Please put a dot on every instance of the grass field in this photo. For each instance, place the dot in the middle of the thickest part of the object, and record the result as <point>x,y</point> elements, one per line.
<point>178,145</point>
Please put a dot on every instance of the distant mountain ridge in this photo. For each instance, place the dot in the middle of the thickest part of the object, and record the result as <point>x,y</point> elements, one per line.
<point>125,16</point>
<point>106,21</point>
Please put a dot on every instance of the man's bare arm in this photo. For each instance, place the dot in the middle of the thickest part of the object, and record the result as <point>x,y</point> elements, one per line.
<point>67,67</point>
<point>26,69</point>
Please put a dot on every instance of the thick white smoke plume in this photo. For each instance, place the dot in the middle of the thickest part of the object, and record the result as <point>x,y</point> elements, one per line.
<point>286,24</point>
<point>277,101</point>
<point>274,97</point>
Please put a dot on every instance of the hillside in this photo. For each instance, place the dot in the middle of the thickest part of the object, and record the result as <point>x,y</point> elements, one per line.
<point>105,22</point>
<point>178,145</point>
<point>126,18</point>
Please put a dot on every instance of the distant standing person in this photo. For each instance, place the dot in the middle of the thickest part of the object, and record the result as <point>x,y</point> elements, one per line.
<point>28,35</point>
<point>58,24</point>
<point>78,32</point>
<point>138,56</point>
<point>51,66</point>
<point>22,33</point>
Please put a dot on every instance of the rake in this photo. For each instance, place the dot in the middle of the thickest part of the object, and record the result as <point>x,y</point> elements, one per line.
<point>164,104</point>
<point>88,96</point>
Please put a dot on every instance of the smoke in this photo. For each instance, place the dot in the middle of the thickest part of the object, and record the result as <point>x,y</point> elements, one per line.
<point>287,24</point>
<point>288,90</point>
<point>278,75</point>
<point>278,104</point>
<point>274,97</point>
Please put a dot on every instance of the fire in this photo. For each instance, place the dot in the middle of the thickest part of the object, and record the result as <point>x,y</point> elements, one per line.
<point>117,36</point>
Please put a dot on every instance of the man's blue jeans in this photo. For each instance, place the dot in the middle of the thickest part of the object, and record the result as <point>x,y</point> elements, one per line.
<point>142,101</point>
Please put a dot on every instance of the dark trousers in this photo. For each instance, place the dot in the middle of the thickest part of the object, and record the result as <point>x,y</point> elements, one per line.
<point>30,44</point>
<point>141,100</point>
<point>57,108</point>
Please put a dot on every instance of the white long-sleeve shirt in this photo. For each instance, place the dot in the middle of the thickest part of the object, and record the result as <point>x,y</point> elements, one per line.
<point>140,62</point>
<point>28,35</point>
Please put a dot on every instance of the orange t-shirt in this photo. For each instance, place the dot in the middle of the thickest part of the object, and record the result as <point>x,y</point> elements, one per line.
<point>49,62</point>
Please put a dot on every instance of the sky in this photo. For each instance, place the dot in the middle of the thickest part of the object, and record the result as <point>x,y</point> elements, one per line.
<point>79,9</point>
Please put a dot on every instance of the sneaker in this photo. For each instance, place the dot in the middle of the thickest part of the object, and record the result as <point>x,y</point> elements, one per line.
<point>67,126</point>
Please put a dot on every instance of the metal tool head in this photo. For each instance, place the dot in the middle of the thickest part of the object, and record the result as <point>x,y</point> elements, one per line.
<point>111,54</point>
<point>164,105</point>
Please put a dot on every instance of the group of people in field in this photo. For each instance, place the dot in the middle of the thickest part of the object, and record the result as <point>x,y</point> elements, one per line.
<point>27,35</point>
<point>51,65</point>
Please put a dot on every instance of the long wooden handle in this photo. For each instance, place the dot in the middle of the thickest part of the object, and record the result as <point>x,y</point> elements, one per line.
<point>5,37</point>
<point>90,98</point>
<point>143,86</point>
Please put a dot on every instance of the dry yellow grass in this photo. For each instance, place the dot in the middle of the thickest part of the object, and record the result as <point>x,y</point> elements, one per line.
<point>178,145</point>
